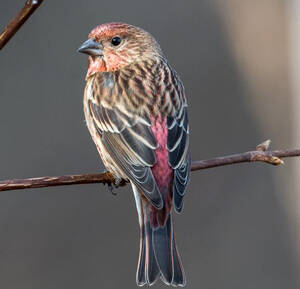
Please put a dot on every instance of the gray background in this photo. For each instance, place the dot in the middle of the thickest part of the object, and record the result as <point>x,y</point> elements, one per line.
<point>234,232</point>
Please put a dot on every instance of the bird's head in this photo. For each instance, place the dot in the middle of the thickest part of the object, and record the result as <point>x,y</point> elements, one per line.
<point>112,46</point>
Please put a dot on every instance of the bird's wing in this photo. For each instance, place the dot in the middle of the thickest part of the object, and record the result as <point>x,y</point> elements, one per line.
<point>131,144</point>
<point>178,147</point>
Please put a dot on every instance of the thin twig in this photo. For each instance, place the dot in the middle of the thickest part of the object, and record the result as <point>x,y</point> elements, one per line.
<point>259,155</point>
<point>15,24</point>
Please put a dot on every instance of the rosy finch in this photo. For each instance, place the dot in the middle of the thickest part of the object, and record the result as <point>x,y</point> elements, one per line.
<point>136,112</point>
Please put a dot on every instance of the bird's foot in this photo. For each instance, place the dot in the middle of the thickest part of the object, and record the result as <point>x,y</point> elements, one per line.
<point>114,184</point>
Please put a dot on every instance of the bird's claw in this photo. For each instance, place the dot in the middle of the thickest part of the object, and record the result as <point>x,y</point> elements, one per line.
<point>111,188</point>
<point>118,182</point>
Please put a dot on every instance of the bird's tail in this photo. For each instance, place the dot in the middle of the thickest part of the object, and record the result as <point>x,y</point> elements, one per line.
<point>158,253</point>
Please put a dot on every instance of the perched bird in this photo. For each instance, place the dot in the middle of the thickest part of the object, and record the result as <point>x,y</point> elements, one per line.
<point>136,112</point>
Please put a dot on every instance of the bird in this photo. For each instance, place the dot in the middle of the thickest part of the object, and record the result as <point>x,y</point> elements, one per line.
<point>136,112</point>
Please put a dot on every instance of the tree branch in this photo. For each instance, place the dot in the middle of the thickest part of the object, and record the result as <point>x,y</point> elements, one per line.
<point>15,24</point>
<point>261,154</point>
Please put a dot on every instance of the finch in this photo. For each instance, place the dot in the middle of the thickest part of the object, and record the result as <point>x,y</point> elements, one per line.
<point>136,111</point>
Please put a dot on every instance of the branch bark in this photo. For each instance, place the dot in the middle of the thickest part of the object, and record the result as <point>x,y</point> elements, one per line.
<point>16,23</point>
<point>261,154</point>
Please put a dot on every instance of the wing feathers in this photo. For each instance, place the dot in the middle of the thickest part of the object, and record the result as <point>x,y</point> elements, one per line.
<point>179,155</point>
<point>126,130</point>
<point>131,144</point>
<point>140,175</point>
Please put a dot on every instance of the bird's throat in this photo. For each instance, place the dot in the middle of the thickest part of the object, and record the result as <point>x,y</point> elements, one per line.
<point>96,64</point>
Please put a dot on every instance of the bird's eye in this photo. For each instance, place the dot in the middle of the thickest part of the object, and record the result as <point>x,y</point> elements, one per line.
<point>116,41</point>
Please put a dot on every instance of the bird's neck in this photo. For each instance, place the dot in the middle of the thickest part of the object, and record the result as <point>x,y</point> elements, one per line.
<point>96,64</point>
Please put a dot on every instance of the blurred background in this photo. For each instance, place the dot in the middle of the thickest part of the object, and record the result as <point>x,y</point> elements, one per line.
<point>240,63</point>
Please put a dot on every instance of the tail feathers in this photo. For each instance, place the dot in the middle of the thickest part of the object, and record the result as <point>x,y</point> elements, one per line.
<point>158,253</point>
<point>161,238</point>
<point>179,278</point>
<point>148,270</point>
<point>167,256</point>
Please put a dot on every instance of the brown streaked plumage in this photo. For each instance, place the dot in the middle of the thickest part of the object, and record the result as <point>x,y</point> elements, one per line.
<point>136,112</point>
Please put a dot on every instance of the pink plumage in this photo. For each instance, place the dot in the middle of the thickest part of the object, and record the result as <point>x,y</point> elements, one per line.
<point>162,171</point>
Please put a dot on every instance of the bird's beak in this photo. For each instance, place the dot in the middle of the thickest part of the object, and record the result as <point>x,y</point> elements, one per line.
<point>91,47</point>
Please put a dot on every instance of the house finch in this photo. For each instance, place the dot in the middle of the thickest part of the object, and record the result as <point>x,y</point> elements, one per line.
<point>136,112</point>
